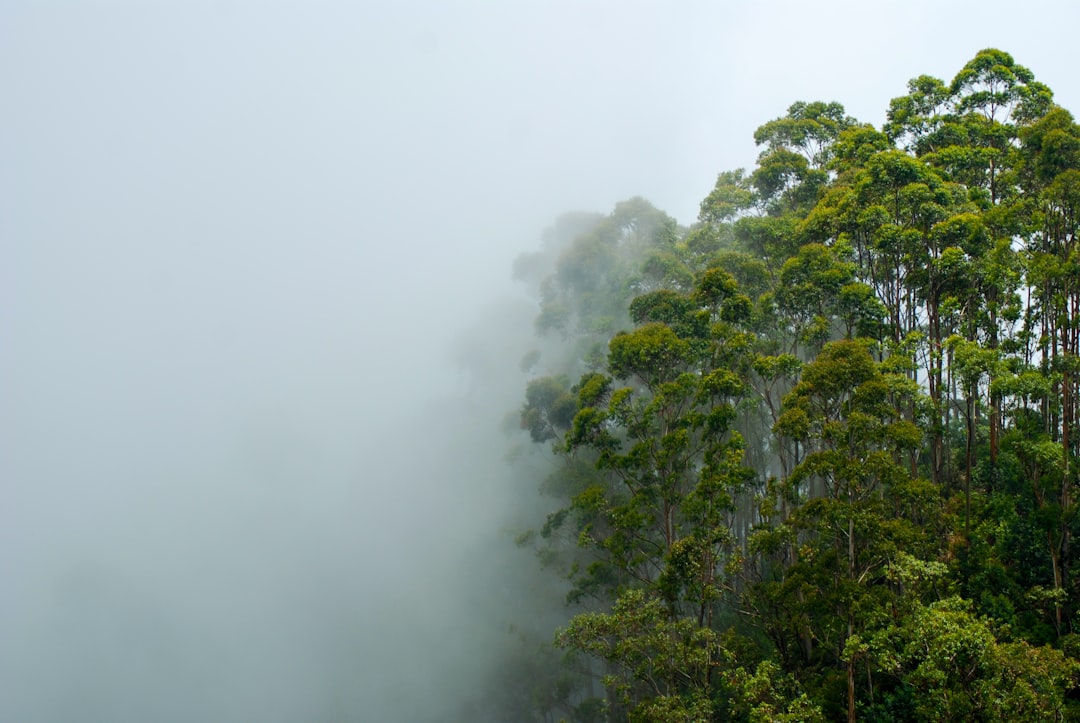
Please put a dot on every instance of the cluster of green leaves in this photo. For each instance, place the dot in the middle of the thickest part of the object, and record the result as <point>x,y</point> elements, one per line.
<point>820,458</point>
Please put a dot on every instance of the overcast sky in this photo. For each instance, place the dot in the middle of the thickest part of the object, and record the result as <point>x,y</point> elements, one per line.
<point>236,240</point>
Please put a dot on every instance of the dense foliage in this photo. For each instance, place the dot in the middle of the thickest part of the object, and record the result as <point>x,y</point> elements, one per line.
<point>815,456</point>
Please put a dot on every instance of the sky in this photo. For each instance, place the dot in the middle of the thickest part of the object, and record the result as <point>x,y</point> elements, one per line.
<point>241,477</point>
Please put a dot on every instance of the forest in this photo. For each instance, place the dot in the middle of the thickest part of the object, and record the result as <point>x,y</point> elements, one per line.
<point>815,456</point>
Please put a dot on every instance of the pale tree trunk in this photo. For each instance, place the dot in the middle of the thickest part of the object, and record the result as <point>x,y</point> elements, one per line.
<point>851,620</point>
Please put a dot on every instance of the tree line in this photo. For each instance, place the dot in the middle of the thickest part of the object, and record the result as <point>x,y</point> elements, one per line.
<point>814,457</point>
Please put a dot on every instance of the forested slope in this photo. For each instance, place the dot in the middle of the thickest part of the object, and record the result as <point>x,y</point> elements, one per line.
<point>815,456</point>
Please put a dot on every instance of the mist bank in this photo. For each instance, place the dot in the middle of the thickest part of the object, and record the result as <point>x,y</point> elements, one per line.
<point>285,560</point>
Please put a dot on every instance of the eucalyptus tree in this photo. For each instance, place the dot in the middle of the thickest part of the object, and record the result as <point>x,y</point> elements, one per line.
<point>1050,171</point>
<point>885,212</point>
<point>860,362</point>
<point>952,665</point>
<point>846,494</point>
<point>659,519</point>
<point>994,97</point>
<point>587,293</point>
<point>792,170</point>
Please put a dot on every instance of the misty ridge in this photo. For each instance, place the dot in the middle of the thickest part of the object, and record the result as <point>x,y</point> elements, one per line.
<point>414,363</point>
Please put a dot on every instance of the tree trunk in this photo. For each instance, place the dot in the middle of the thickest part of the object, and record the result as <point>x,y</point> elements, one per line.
<point>850,679</point>
<point>851,619</point>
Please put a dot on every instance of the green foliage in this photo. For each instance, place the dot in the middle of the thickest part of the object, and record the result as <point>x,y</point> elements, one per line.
<point>731,196</point>
<point>772,697</point>
<point>649,651</point>
<point>808,129</point>
<point>960,670</point>
<point>654,354</point>
<point>549,408</point>
<point>823,460</point>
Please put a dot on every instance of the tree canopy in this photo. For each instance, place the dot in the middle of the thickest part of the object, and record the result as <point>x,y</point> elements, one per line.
<point>814,457</point>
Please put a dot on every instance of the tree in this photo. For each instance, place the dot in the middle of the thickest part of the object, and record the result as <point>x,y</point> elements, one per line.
<point>959,670</point>
<point>843,410</point>
<point>820,457</point>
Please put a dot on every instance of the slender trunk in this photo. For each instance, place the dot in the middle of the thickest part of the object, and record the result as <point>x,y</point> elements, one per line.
<point>949,412</point>
<point>933,380</point>
<point>969,446</point>
<point>1055,561</point>
<point>806,638</point>
<point>995,401</point>
<point>969,458</point>
<point>1070,345</point>
<point>851,619</point>
<point>850,688</point>
<point>995,424</point>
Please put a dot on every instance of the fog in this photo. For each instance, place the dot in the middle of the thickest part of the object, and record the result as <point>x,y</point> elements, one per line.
<point>258,332</point>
